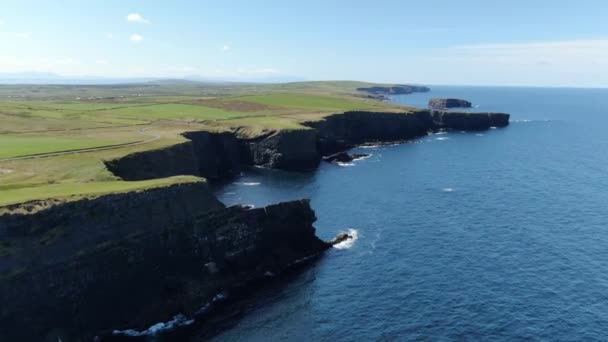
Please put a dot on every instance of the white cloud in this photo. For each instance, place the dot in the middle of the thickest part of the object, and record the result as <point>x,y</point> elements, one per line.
<point>101,61</point>
<point>136,38</point>
<point>137,18</point>
<point>226,47</point>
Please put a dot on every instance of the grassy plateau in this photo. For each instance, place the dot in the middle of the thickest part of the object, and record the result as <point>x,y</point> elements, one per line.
<point>54,139</point>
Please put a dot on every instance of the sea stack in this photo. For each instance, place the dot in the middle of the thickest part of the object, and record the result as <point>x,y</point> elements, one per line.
<point>437,103</point>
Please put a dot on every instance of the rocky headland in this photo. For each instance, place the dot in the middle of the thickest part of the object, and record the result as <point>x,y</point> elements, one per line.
<point>165,254</point>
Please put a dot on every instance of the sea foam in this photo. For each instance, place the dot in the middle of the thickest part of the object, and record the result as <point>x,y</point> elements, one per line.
<point>346,244</point>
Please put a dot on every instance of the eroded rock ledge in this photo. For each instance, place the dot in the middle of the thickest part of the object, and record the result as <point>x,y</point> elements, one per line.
<point>141,258</point>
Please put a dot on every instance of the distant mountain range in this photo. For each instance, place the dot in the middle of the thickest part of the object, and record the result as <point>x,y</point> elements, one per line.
<point>52,78</point>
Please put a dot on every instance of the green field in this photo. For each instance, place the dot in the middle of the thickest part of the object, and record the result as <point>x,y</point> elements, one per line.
<point>39,119</point>
<point>15,145</point>
<point>71,191</point>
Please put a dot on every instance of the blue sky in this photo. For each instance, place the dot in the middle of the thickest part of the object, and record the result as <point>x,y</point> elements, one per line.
<point>533,42</point>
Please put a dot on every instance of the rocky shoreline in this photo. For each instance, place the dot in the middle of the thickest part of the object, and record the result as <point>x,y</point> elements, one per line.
<point>150,256</point>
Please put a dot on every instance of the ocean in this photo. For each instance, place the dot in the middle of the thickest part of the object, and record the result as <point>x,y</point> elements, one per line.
<point>494,235</point>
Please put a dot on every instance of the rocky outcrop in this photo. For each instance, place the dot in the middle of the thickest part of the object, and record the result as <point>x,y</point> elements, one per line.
<point>437,103</point>
<point>398,89</point>
<point>469,121</point>
<point>343,157</point>
<point>126,261</point>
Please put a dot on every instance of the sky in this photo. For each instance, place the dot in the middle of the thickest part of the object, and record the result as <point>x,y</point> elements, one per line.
<point>465,42</point>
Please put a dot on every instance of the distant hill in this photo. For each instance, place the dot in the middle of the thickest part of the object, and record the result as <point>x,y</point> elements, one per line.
<point>52,78</point>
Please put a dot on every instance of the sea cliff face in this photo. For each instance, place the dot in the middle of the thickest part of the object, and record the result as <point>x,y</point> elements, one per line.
<point>127,261</point>
<point>469,121</point>
<point>218,156</point>
<point>214,156</point>
<point>287,150</point>
<point>343,131</point>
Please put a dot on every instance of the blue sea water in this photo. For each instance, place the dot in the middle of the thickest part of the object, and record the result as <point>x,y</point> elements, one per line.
<point>496,235</point>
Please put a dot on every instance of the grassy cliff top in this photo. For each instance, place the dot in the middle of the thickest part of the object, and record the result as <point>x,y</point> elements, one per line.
<point>54,138</point>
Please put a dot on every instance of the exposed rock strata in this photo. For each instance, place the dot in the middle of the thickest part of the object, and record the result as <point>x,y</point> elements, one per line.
<point>287,150</point>
<point>140,258</point>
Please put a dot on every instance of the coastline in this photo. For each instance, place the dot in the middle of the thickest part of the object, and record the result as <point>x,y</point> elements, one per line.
<point>225,154</point>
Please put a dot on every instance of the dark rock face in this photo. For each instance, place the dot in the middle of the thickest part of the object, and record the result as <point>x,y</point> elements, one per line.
<point>342,131</point>
<point>437,103</point>
<point>343,157</point>
<point>218,154</point>
<point>340,238</point>
<point>395,90</point>
<point>179,159</point>
<point>211,155</point>
<point>129,261</point>
<point>470,121</point>
<point>288,150</point>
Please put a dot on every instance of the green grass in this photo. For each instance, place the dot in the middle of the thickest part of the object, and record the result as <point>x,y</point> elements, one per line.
<point>312,102</point>
<point>15,145</point>
<point>75,190</point>
<point>37,119</point>
<point>174,111</point>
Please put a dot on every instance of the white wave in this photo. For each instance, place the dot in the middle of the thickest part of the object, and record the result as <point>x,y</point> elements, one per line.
<point>345,164</point>
<point>369,146</point>
<point>346,244</point>
<point>479,134</point>
<point>475,106</point>
<point>447,189</point>
<point>492,127</point>
<point>229,193</point>
<point>442,138</point>
<point>363,157</point>
<point>247,183</point>
<point>177,321</point>
<point>440,133</point>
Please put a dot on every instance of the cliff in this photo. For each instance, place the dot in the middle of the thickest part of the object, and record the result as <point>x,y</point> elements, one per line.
<point>140,258</point>
<point>343,131</point>
<point>218,156</point>
<point>214,156</point>
<point>398,89</point>
<point>469,121</point>
<point>287,150</point>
